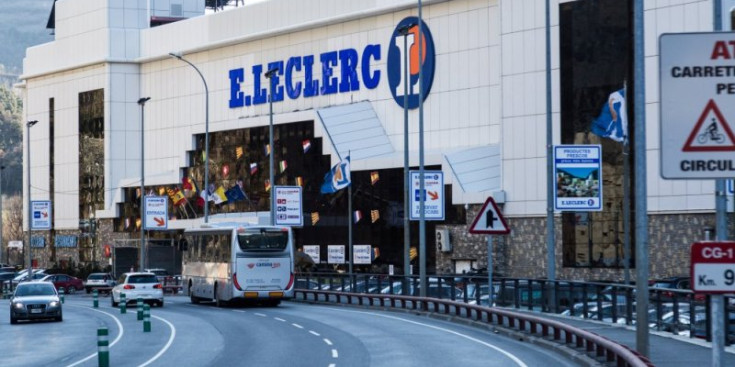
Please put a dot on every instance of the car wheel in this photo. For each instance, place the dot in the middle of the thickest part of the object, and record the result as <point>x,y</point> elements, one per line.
<point>112,300</point>
<point>71,289</point>
<point>13,320</point>
<point>160,303</point>
<point>59,318</point>
<point>88,290</point>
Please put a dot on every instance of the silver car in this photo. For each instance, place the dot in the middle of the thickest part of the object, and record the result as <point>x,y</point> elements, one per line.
<point>35,300</point>
<point>138,285</point>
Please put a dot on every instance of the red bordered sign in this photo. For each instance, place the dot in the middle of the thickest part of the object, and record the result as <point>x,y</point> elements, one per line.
<point>713,267</point>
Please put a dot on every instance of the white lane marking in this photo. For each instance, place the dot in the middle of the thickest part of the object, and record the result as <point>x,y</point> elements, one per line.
<point>279,319</point>
<point>313,332</point>
<point>241,311</point>
<point>506,353</point>
<point>335,354</point>
<point>298,326</point>
<point>332,365</point>
<point>327,341</point>
<point>259,314</point>
<point>165,347</point>
<point>117,339</point>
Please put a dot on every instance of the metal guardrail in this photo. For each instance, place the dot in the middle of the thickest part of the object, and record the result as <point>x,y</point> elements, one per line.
<point>592,344</point>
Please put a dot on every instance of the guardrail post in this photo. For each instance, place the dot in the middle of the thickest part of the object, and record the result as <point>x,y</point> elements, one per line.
<point>123,303</point>
<point>146,318</point>
<point>95,299</point>
<point>61,294</point>
<point>103,349</point>
<point>139,305</point>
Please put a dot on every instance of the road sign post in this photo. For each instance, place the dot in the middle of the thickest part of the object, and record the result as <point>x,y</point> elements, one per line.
<point>489,221</point>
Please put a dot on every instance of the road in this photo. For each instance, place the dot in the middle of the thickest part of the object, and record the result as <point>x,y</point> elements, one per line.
<point>292,334</point>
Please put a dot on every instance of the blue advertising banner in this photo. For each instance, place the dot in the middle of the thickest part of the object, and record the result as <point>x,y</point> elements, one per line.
<point>578,177</point>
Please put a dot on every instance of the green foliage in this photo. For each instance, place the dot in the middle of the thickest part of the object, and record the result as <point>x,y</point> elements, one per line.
<point>11,142</point>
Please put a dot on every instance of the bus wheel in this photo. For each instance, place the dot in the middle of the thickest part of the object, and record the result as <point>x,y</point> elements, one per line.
<point>194,299</point>
<point>217,301</point>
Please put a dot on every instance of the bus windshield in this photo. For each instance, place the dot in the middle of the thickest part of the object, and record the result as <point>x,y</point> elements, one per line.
<point>262,239</point>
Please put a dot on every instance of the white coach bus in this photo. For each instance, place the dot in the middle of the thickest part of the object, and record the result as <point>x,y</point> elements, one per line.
<point>238,261</point>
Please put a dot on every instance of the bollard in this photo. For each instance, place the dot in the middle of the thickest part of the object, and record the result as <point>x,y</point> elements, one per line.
<point>139,304</point>
<point>95,298</point>
<point>103,350</point>
<point>61,294</point>
<point>123,303</point>
<point>146,318</point>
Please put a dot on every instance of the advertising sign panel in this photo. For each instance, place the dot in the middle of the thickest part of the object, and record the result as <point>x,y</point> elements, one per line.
<point>362,254</point>
<point>433,196</point>
<point>288,206</point>
<point>336,254</point>
<point>578,177</point>
<point>313,252</point>
<point>41,214</point>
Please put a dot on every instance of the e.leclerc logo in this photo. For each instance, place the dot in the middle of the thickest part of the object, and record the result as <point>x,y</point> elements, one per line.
<point>400,48</point>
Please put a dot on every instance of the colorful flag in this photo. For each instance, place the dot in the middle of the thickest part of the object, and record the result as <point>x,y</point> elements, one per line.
<point>337,178</point>
<point>314,218</point>
<point>376,253</point>
<point>283,165</point>
<point>374,177</point>
<point>267,185</point>
<point>186,183</point>
<point>238,152</point>
<point>138,223</point>
<point>413,252</point>
<point>236,193</point>
<point>267,149</point>
<point>137,193</point>
<point>306,144</point>
<point>202,198</point>
<point>613,120</point>
<point>374,215</point>
<point>225,170</point>
<point>218,196</point>
<point>177,197</point>
<point>253,168</point>
<point>127,223</point>
<point>299,181</point>
<point>161,191</point>
<point>358,216</point>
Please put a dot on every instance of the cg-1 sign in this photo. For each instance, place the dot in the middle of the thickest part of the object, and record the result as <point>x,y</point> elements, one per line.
<point>713,267</point>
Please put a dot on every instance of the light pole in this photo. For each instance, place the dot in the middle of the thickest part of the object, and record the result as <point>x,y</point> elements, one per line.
<point>142,102</point>
<point>29,124</point>
<point>206,134</point>
<point>1,213</point>
<point>406,223</point>
<point>269,74</point>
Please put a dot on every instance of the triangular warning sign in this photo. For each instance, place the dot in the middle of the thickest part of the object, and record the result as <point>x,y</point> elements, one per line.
<point>489,220</point>
<point>712,133</point>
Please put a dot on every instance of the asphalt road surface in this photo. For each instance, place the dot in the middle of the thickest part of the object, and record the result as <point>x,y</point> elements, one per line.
<point>292,334</point>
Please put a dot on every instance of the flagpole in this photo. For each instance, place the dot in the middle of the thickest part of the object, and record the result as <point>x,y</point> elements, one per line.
<point>349,228</point>
<point>626,196</point>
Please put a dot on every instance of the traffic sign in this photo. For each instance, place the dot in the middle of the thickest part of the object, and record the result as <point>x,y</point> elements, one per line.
<point>41,218</point>
<point>697,139</point>
<point>156,213</point>
<point>433,196</point>
<point>713,267</point>
<point>288,207</point>
<point>489,220</point>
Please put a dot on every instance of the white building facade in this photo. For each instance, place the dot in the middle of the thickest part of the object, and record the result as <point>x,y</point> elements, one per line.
<point>340,73</point>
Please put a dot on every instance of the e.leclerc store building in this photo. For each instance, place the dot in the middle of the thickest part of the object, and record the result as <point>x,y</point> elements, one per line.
<point>338,91</point>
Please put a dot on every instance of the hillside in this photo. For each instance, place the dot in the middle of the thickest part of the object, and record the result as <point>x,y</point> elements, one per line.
<point>22,24</point>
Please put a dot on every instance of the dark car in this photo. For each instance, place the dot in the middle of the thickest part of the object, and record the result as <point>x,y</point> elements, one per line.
<point>35,300</point>
<point>666,289</point>
<point>69,283</point>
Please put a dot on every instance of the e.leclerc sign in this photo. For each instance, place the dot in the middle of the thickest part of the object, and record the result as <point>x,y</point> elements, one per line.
<point>341,71</point>
<point>697,76</point>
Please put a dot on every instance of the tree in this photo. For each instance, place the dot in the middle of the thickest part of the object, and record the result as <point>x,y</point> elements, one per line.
<point>11,142</point>
<point>13,226</point>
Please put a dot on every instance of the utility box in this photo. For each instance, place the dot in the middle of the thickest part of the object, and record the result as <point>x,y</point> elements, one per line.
<point>442,240</point>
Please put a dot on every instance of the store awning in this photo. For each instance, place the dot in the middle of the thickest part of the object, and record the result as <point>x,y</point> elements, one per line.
<point>477,169</point>
<point>356,130</point>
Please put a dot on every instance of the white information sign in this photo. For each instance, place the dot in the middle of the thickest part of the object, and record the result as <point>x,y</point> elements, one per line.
<point>578,173</point>
<point>336,254</point>
<point>362,254</point>
<point>288,206</point>
<point>697,87</point>
<point>433,195</point>
<point>41,210</point>
<point>156,213</point>
<point>313,252</point>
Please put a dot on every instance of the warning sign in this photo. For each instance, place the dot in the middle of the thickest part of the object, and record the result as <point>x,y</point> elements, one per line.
<point>712,133</point>
<point>697,86</point>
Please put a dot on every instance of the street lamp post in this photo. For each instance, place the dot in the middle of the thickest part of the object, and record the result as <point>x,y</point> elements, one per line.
<point>1,212</point>
<point>269,74</point>
<point>29,124</point>
<point>206,134</point>
<point>142,102</point>
<point>404,31</point>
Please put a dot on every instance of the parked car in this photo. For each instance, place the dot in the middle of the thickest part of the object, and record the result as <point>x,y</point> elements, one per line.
<point>433,290</point>
<point>162,275</point>
<point>134,285</point>
<point>302,283</point>
<point>6,269</point>
<point>35,300</point>
<point>99,280</point>
<point>37,275</point>
<point>69,283</point>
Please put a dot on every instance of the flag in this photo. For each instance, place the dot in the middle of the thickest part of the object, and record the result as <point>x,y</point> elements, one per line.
<point>299,181</point>
<point>413,252</point>
<point>236,193</point>
<point>283,165</point>
<point>127,223</point>
<point>337,178</point>
<point>177,197</point>
<point>225,170</point>
<point>613,120</point>
<point>314,218</point>
<point>161,191</point>
<point>218,196</point>
<point>376,253</point>
<point>138,222</point>
<point>253,168</point>
<point>267,149</point>
<point>137,193</point>
<point>374,177</point>
<point>306,144</point>
<point>267,185</point>
<point>202,198</point>
<point>186,183</point>
<point>374,215</point>
<point>358,216</point>
<point>238,152</point>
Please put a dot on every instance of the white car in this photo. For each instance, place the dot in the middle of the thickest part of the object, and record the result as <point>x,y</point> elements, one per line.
<point>135,285</point>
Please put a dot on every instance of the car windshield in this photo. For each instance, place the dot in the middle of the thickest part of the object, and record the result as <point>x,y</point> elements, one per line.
<point>97,276</point>
<point>139,279</point>
<point>35,290</point>
<point>159,272</point>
